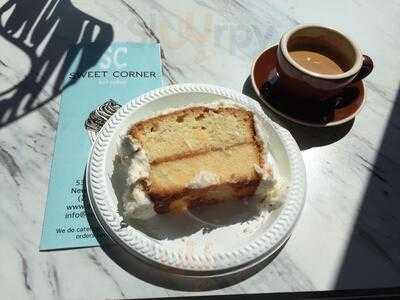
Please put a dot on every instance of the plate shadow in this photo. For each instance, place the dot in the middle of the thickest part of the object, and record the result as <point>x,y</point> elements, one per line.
<point>162,276</point>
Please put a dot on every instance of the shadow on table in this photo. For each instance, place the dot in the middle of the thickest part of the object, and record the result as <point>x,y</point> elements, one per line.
<point>44,31</point>
<point>305,136</point>
<point>372,257</point>
<point>161,276</point>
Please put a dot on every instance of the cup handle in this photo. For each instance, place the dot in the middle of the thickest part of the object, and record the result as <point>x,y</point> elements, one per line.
<point>366,68</point>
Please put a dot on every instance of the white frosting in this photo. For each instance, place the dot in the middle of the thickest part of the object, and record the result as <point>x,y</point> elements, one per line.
<point>136,202</point>
<point>271,188</point>
<point>203,179</point>
<point>139,166</point>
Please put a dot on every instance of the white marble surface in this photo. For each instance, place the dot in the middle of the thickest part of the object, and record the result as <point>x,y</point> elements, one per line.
<point>348,235</point>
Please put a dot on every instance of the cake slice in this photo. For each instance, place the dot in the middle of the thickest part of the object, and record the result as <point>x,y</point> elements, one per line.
<point>199,155</point>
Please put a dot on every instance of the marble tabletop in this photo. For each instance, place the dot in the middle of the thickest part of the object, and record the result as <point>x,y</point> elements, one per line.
<point>349,234</point>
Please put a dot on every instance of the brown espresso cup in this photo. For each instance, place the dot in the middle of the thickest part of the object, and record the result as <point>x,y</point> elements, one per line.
<point>316,63</point>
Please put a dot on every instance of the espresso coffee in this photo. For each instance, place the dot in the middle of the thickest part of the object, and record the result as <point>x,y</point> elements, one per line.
<point>319,60</point>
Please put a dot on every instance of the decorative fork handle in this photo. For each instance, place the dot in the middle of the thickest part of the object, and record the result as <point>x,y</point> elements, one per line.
<point>98,117</point>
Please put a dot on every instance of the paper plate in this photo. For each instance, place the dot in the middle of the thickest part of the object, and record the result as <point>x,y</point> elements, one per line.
<point>209,240</point>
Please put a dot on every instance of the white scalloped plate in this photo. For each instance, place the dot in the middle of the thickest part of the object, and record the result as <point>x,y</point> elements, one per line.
<point>208,241</point>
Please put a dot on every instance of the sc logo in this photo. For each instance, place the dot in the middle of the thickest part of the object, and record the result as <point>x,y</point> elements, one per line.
<point>114,58</point>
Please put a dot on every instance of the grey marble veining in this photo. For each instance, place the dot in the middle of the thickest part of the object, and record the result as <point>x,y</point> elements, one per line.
<point>348,234</point>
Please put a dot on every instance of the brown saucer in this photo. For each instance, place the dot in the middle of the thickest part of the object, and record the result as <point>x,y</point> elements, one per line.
<point>331,112</point>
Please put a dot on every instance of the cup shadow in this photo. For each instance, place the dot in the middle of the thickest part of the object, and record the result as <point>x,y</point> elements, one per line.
<point>306,136</point>
<point>162,276</point>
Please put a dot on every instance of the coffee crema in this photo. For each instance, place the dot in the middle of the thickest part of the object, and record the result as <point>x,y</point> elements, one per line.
<point>319,60</point>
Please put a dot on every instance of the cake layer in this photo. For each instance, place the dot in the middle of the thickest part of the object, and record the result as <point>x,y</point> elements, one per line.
<point>193,130</point>
<point>232,165</point>
<point>199,155</point>
<point>210,195</point>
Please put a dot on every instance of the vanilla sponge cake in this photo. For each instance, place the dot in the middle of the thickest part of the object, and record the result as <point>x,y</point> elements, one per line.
<point>199,155</point>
